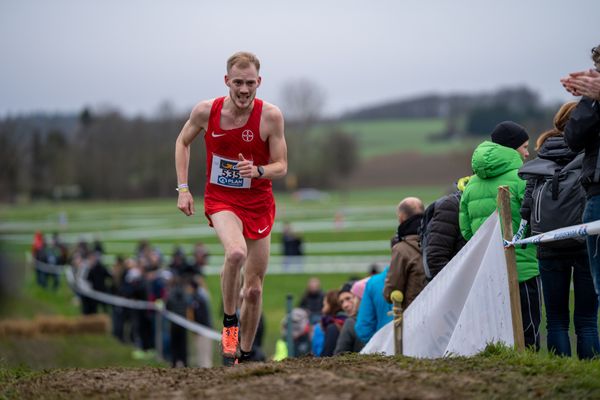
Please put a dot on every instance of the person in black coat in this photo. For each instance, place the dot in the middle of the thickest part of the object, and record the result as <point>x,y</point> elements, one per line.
<point>582,132</point>
<point>443,239</point>
<point>349,299</point>
<point>201,314</point>
<point>559,261</point>
<point>178,266</point>
<point>292,248</point>
<point>99,279</point>
<point>178,302</point>
<point>312,300</point>
<point>332,322</point>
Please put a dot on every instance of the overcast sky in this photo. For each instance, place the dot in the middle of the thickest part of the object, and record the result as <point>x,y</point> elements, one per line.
<point>60,55</point>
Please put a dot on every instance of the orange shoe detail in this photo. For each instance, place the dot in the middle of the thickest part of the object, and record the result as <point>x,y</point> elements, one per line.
<point>230,362</point>
<point>229,342</point>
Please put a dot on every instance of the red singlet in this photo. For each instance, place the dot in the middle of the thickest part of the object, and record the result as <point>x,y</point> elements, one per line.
<point>250,199</point>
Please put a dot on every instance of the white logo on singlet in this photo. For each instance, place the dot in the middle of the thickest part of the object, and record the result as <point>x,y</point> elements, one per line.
<point>247,135</point>
<point>218,134</point>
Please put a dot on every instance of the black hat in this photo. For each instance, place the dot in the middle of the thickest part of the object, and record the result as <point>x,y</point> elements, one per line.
<point>509,134</point>
<point>346,287</point>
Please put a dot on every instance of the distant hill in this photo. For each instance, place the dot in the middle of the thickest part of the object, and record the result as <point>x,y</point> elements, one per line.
<point>442,106</point>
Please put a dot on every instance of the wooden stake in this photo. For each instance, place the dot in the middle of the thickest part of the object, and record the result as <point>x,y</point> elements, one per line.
<point>397,299</point>
<point>511,265</point>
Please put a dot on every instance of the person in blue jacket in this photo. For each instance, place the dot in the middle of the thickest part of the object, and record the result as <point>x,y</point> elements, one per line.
<point>373,310</point>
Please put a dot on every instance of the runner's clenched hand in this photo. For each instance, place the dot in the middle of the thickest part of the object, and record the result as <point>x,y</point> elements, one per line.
<point>246,167</point>
<point>185,203</point>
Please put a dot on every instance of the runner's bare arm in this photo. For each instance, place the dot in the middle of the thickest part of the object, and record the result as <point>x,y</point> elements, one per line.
<point>196,124</point>
<point>274,125</point>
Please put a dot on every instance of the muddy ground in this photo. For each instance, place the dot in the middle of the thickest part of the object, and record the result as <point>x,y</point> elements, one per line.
<point>348,377</point>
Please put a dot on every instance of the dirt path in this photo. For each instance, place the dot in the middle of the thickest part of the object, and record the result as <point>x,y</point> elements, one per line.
<point>349,377</point>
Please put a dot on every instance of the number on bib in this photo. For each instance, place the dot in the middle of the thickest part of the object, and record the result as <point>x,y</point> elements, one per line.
<point>224,172</point>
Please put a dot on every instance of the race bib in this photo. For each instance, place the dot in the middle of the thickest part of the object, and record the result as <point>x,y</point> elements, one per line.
<point>224,172</point>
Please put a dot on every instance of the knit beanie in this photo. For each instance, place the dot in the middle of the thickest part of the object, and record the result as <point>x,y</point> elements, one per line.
<point>346,287</point>
<point>358,288</point>
<point>509,134</point>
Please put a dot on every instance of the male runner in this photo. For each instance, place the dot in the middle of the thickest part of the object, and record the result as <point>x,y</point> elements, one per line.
<point>245,149</point>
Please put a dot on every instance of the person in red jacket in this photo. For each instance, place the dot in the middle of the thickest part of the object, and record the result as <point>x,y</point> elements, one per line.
<point>245,150</point>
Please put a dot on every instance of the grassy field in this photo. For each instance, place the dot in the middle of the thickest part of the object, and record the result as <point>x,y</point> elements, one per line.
<point>389,136</point>
<point>72,351</point>
<point>369,219</point>
<point>369,222</point>
<point>34,301</point>
<point>367,216</point>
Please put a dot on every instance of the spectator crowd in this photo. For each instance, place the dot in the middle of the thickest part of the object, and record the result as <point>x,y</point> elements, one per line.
<point>563,179</point>
<point>145,276</point>
<point>560,187</point>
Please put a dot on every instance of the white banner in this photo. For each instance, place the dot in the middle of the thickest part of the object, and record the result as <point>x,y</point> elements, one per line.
<point>463,309</point>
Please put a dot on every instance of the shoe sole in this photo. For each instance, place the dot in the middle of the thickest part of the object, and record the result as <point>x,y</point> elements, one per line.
<point>230,362</point>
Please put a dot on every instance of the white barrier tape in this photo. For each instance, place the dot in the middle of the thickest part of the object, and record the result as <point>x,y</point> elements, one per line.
<point>588,229</point>
<point>191,326</point>
<point>105,297</point>
<point>49,268</point>
<point>521,231</point>
<point>141,305</point>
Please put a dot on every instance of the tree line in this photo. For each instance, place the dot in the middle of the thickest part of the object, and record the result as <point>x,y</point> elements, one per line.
<point>107,155</point>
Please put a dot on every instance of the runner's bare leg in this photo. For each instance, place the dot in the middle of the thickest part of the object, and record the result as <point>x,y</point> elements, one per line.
<point>229,230</point>
<point>254,275</point>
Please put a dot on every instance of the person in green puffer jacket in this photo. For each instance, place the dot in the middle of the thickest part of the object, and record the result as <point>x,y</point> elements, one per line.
<point>497,163</point>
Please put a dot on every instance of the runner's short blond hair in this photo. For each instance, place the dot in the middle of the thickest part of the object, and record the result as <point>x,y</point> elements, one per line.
<point>243,59</point>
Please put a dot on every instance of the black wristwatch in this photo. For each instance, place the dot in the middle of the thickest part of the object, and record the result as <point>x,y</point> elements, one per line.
<point>261,171</point>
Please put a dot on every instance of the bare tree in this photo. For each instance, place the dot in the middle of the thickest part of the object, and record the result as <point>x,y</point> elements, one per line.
<point>303,102</point>
<point>319,156</point>
<point>13,152</point>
